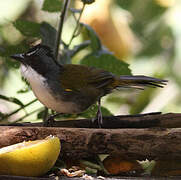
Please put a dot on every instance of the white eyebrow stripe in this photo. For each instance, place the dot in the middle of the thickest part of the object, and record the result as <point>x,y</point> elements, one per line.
<point>30,53</point>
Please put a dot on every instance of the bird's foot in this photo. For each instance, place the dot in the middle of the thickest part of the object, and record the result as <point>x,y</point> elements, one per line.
<point>51,120</point>
<point>98,118</point>
<point>98,115</point>
<point>97,121</point>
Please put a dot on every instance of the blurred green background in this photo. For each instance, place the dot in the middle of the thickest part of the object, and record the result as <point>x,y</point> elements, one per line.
<point>145,34</point>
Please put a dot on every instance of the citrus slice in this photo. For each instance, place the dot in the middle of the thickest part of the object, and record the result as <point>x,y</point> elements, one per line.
<point>32,158</point>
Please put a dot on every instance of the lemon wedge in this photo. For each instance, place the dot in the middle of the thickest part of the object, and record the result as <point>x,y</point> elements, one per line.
<point>32,158</point>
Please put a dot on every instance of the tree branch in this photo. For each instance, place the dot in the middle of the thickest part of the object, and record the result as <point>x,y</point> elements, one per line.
<point>60,27</point>
<point>77,25</point>
<point>140,144</point>
<point>149,120</point>
<point>17,110</point>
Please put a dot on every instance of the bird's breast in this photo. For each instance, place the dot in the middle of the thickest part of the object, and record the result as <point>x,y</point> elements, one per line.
<point>45,95</point>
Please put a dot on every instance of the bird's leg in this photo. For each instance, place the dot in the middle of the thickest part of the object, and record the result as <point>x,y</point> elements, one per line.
<point>50,121</point>
<point>99,114</point>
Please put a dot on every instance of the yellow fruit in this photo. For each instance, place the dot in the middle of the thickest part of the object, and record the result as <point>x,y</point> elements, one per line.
<point>32,158</point>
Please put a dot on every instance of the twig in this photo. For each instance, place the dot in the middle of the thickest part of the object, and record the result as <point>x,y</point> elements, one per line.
<point>77,25</point>
<point>17,110</point>
<point>60,27</point>
<point>20,119</point>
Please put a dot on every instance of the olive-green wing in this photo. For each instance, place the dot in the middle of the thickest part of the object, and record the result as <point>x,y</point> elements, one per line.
<point>101,79</point>
<point>76,77</point>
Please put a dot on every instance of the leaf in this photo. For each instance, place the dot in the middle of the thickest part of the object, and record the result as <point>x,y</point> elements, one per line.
<point>24,90</point>
<point>48,34</point>
<point>1,115</point>
<point>91,112</point>
<point>52,5</point>
<point>125,4</point>
<point>40,115</point>
<point>154,40</point>
<point>79,47</point>
<point>107,62</point>
<point>27,28</point>
<point>91,34</point>
<point>142,100</point>
<point>11,99</point>
<point>8,50</point>
<point>147,166</point>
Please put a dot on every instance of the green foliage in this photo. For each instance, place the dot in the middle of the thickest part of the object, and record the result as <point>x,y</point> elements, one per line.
<point>48,34</point>
<point>31,29</point>
<point>8,50</point>
<point>1,115</point>
<point>91,34</point>
<point>27,28</point>
<point>41,114</point>
<point>107,62</point>
<point>100,57</point>
<point>52,6</point>
<point>143,13</point>
<point>150,27</point>
<point>125,4</point>
<point>156,38</point>
<point>91,112</point>
<point>142,101</point>
<point>24,90</point>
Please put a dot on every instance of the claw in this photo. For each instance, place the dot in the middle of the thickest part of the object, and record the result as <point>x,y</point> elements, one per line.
<point>99,114</point>
<point>51,120</point>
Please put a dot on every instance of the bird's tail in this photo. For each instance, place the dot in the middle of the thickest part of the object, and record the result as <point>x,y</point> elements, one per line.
<point>138,82</point>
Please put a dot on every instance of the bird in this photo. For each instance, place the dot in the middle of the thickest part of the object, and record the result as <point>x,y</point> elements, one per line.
<point>73,88</point>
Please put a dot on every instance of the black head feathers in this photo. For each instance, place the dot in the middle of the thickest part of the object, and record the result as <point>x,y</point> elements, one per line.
<point>40,50</point>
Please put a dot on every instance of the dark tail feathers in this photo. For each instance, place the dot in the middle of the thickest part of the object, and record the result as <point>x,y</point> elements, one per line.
<point>139,82</point>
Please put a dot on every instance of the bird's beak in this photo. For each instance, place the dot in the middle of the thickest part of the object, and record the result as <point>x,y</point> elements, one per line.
<point>18,57</point>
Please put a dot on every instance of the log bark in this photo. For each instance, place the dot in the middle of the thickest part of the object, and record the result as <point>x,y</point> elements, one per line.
<point>169,120</point>
<point>140,144</point>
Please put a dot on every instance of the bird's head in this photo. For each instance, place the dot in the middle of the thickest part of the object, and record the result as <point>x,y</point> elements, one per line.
<point>40,58</point>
